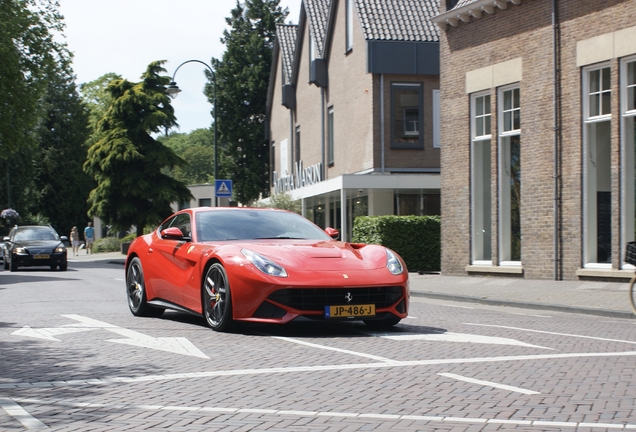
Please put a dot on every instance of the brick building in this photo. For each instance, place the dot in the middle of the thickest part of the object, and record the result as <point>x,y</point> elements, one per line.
<point>353,112</point>
<point>538,137</point>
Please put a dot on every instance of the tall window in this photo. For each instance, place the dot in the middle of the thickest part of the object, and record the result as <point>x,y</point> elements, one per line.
<point>349,25</point>
<point>330,135</point>
<point>481,206</point>
<point>406,116</point>
<point>437,121</point>
<point>297,145</point>
<point>272,161</point>
<point>509,175</point>
<point>628,134</point>
<point>597,198</point>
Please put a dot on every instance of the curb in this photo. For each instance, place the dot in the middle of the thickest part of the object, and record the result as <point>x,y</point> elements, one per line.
<point>526,305</point>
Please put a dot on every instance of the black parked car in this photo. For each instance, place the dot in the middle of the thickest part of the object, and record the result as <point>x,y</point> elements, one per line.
<point>32,245</point>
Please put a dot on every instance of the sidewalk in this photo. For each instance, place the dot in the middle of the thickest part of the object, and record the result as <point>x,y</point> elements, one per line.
<point>596,298</point>
<point>587,297</point>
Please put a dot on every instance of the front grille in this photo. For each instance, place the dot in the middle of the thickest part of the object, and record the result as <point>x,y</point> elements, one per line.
<point>315,299</point>
<point>40,251</point>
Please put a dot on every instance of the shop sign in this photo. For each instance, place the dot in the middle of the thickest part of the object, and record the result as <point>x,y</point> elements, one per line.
<point>300,177</point>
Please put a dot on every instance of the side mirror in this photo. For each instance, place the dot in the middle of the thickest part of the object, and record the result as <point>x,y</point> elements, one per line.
<point>333,233</point>
<point>173,233</point>
<point>6,238</point>
<point>63,238</point>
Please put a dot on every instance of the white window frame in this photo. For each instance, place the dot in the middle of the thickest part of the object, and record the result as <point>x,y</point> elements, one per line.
<point>437,119</point>
<point>628,162</point>
<point>476,212</point>
<point>589,172</point>
<point>349,25</point>
<point>406,123</point>
<point>504,176</point>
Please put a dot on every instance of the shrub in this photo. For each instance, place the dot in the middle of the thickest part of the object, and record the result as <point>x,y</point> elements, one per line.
<point>107,244</point>
<point>417,239</point>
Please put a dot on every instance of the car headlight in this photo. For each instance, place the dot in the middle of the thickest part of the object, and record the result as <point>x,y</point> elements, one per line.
<point>393,263</point>
<point>265,265</point>
<point>60,249</point>
<point>20,251</point>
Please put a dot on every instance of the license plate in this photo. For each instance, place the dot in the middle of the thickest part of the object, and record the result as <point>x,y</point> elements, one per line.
<point>346,311</point>
<point>41,256</point>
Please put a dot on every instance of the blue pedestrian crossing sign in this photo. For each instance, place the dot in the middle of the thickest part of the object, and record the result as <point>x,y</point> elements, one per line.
<point>223,188</point>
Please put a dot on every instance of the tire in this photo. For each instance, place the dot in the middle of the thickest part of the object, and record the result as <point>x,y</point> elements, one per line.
<point>64,266</point>
<point>6,263</point>
<point>53,266</point>
<point>632,294</point>
<point>217,299</point>
<point>136,292</point>
<point>382,323</point>
<point>13,266</point>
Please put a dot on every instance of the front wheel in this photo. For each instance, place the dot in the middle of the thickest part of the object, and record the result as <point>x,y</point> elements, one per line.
<point>632,294</point>
<point>13,266</point>
<point>217,300</point>
<point>136,292</point>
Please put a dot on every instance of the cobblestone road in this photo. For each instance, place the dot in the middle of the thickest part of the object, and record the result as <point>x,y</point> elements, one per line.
<point>74,359</point>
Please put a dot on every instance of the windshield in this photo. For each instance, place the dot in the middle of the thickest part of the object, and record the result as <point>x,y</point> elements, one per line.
<point>255,224</point>
<point>25,234</point>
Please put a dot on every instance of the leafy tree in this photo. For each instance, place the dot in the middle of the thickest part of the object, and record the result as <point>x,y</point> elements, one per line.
<point>197,149</point>
<point>61,185</point>
<point>127,162</point>
<point>97,98</point>
<point>242,77</point>
<point>29,57</point>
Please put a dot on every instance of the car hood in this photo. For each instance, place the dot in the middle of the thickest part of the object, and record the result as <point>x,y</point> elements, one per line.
<point>322,255</point>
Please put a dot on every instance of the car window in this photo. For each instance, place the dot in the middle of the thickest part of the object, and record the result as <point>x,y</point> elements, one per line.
<point>166,224</point>
<point>27,234</point>
<point>182,221</point>
<point>255,224</point>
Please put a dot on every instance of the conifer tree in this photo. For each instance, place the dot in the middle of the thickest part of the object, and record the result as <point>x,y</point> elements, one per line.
<point>127,162</point>
<point>242,78</point>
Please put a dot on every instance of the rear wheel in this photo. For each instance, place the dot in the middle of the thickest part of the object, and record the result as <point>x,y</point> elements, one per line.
<point>136,292</point>
<point>382,323</point>
<point>217,300</point>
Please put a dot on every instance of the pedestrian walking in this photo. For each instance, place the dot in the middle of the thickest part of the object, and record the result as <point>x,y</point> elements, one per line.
<point>89,237</point>
<point>75,240</point>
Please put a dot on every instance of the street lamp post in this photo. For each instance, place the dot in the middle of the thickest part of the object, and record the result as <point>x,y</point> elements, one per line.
<point>173,90</point>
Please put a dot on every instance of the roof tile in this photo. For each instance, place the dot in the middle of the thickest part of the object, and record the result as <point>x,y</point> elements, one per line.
<point>399,20</point>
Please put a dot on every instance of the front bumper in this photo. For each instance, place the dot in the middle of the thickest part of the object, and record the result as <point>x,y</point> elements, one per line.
<point>28,260</point>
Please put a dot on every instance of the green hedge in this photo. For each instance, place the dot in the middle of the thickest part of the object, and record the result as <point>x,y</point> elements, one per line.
<point>416,238</point>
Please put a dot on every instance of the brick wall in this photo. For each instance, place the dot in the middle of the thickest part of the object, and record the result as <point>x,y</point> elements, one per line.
<point>525,31</point>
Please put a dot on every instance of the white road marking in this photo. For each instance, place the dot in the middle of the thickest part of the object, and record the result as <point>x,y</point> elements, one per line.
<point>308,369</point>
<point>489,384</point>
<point>49,332</point>
<point>313,345</point>
<point>176,345</point>
<point>527,314</point>
<point>553,333</point>
<point>460,337</point>
<point>456,306</point>
<point>337,415</point>
<point>20,414</point>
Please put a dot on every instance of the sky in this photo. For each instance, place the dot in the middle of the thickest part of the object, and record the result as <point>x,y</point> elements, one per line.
<point>124,36</point>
